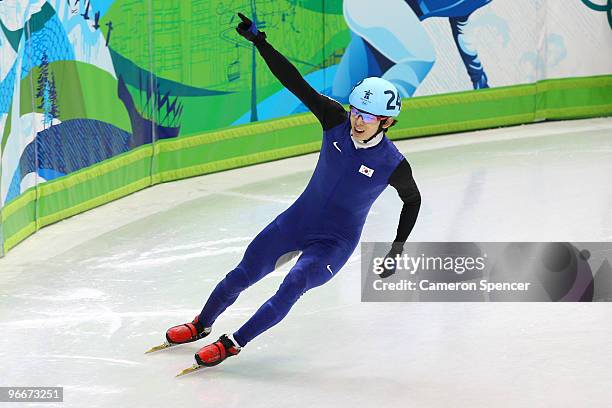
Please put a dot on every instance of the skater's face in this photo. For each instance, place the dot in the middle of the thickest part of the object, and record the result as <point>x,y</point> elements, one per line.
<point>365,125</point>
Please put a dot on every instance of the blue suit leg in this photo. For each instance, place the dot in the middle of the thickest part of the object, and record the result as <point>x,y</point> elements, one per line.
<point>468,55</point>
<point>269,249</point>
<point>318,264</point>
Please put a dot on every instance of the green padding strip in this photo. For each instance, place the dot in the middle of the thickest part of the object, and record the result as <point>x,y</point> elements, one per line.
<point>19,236</point>
<point>51,203</point>
<point>600,81</point>
<point>471,113</point>
<point>577,113</point>
<point>16,222</point>
<point>17,204</point>
<point>93,172</point>
<point>224,150</point>
<point>299,134</point>
<point>237,162</point>
<point>565,100</point>
<point>462,126</point>
<point>481,95</point>
<point>94,202</point>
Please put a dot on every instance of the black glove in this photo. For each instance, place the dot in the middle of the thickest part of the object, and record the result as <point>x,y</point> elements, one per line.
<point>396,249</point>
<point>248,30</point>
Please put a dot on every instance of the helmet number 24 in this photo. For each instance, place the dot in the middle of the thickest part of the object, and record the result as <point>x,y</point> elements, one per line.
<point>393,98</point>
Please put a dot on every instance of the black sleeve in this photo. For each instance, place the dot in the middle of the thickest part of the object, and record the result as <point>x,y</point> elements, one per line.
<point>329,112</point>
<point>404,183</point>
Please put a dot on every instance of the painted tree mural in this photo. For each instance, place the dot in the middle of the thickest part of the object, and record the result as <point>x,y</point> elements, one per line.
<point>46,93</point>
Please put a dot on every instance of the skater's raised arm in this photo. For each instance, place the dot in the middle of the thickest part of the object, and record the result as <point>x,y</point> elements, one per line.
<point>328,111</point>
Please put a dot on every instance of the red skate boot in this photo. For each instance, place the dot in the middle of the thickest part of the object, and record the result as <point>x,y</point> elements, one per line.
<point>181,334</point>
<point>216,352</point>
<point>188,332</point>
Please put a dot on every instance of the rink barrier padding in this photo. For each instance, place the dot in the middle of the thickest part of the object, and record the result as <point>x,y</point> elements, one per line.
<point>470,110</point>
<point>574,98</point>
<point>226,149</point>
<point>82,190</point>
<point>168,160</point>
<point>117,177</point>
<point>19,219</point>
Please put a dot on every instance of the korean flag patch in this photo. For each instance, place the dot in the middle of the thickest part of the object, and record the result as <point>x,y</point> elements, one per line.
<point>366,171</point>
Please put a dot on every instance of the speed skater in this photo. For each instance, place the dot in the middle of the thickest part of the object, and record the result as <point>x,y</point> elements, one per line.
<point>323,226</point>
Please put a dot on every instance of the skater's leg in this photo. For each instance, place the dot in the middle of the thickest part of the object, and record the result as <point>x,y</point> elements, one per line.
<point>317,265</point>
<point>268,250</point>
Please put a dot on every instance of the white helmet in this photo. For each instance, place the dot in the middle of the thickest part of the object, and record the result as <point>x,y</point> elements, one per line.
<point>376,96</point>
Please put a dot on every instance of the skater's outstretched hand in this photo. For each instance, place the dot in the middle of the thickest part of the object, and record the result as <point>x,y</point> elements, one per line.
<point>248,29</point>
<point>396,249</point>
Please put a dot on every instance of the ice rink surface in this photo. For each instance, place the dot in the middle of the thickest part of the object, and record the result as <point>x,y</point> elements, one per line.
<point>83,299</point>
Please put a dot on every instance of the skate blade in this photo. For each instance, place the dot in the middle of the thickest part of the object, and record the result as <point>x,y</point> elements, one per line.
<point>190,370</point>
<point>162,346</point>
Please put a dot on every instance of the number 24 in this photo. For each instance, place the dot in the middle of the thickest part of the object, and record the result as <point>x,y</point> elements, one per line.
<point>393,98</point>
